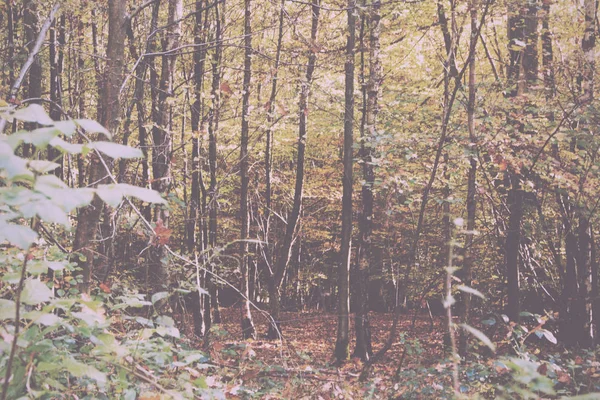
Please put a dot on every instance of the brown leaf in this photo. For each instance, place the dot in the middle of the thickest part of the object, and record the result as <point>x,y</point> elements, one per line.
<point>104,287</point>
<point>163,234</point>
<point>225,88</point>
<point>543,369</point>
<point>563,377</point>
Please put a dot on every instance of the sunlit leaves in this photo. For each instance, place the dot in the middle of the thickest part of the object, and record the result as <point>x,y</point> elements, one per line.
<point>115,150</point>
<point>19,235</point>
<point>35,292</point>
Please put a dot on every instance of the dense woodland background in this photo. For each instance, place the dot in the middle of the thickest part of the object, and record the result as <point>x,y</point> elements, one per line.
<point>352,158</point>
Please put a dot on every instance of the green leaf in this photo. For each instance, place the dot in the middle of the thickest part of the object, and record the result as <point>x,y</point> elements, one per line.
<point>70,148</point>
<point>200,382</point>
<point>479,335</point>
<point>113,194</point>
<point>68,128</point>
<point>549,336</point>
<point>147,195</point>
<point>8,309</point>
<point>46,319</point>
<point>14,166</point>
<point>79,369</point>
<point>57,265</point>
<point>19,235</point>
<point>90,317</point>
<point>470,290</point>
<point>110,194</point>
<point>35,292</point>
<point>38,137</point>
<point>49,181</point>
<point>115,150</point>
<point>92,126</point>
<point>159,296</point>
<point>47,211</point>
<point>43,166</point>
<point>33,113</point>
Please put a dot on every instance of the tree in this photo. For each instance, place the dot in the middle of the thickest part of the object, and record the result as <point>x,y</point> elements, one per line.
<point>364,256</point>
<point>285,251</point>
<point>521,74</point>
<point>248,330</point>
<point>110,117</point>
<point>342,343</point>
<point>467,270</point>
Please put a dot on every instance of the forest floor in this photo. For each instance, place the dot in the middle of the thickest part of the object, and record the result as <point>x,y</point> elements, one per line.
<point>302,365</point>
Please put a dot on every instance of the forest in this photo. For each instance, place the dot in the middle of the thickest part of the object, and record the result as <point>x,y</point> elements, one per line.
<point>299,199</point>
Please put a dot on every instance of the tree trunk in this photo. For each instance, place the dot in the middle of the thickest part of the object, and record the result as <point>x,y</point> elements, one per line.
<point>34,84</point>
<point>364,253</point>
<point>162,137</point>
<point>285,251</point>
<point>213,128</point>
<point>522,74</point>
<point>273,331</point>
<point>467,270</point>
<point>588,45</point>
<point>341,351</point>
<point>248,330</point>
<point>88,217</point>
<point>513,242</point>
<point>57,42</point>
<point>195,242</point>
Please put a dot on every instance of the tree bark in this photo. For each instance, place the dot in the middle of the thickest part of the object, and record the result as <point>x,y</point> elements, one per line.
<point>194,225</point>
<point>363,348</point>
<point>467,270</point>
<point>342,344</point>
<point>88,217</point>
<point>57,42</point>
<point>248,330</point>
<point>213,129</point>
<point>285,252</point>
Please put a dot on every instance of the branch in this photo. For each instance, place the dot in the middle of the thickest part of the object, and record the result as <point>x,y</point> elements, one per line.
<point>30,59</point>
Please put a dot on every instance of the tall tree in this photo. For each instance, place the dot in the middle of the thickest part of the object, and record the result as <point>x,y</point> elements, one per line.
<point>342,344</point>
<point>196,238</point>
<point>248,330</point>
<point>161,132</point>
<point>34,82</point>
<point>364,256</point>
<point>467,270</point>
<point>285,251</point>
<point>521,74</point>
<point>88,217</point>
<point>214,116</point>
<point>57,42</point>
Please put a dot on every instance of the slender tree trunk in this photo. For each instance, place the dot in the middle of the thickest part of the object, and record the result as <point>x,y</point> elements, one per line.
<point>513,242</point>
<point>467,270</point>
<point>194,224</point>
<point>364,252</point>
<point>57,42</point>
<point>248,330</point>
<point>88,217</point>
<point>343,340</point>
<point>213,128</point>
<point>269,132</point>
<point>267,247</point>
<point>34,83</point>
<point>161,133</point>
<point>285,251</point>
<point>588,45</point>
<point>522,74</point>
<point>595,291</point>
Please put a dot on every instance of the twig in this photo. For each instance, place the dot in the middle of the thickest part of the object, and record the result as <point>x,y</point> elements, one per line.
<point>30,59</point>
<point>13,348</point>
